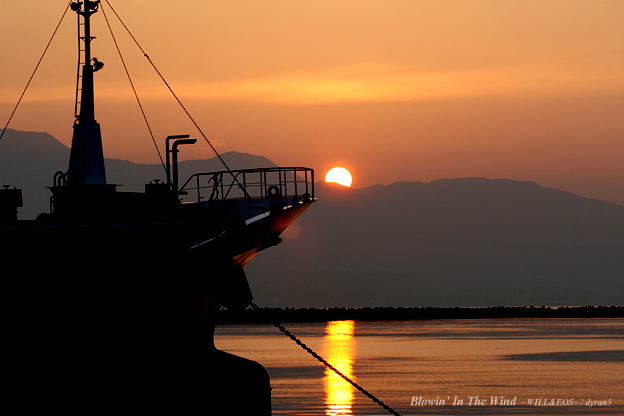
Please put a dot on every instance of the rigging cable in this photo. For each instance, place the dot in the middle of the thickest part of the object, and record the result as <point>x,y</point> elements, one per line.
<point>180,102</point>
<point>331,367</point>
<point>33,74</point>
<point>134,90</point>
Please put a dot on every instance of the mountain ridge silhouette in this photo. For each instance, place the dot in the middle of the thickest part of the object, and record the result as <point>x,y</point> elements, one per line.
<point>450,242</point>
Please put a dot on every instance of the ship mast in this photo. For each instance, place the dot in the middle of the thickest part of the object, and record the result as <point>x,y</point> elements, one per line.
<point>86,160</point>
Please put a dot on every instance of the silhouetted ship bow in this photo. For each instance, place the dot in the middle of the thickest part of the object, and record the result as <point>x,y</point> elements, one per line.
<point>223,217</point>
<point>113,295</point>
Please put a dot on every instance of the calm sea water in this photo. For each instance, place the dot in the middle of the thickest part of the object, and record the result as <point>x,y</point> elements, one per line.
<point>457,367</point>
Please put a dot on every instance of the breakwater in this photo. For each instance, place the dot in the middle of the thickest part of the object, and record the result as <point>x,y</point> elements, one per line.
<point>304,315</point>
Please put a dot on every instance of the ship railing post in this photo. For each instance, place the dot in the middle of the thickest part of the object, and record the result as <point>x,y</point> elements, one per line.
<point>221,184</point>
<point>305,176</point>
<point>198,190</point>
<point>285,190</point>
<point>245,184</point>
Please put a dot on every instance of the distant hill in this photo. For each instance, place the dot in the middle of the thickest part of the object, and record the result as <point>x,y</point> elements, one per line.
<point>451,242</point>
<point>28,160</point>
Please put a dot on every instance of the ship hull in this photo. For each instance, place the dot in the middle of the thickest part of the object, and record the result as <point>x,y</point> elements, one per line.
<point>107,307</point>
<point>67,249</point>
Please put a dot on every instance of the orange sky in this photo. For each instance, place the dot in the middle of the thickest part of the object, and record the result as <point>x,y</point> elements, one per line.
<point>393,90</point>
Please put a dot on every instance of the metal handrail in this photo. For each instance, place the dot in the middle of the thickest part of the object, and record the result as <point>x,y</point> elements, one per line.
<point>261,183</point>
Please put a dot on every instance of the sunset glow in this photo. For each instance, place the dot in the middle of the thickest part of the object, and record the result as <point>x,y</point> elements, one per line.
<point>339,351</point>
<point>403,90</point>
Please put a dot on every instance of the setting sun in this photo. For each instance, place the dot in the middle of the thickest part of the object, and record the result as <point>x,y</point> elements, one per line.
<point>339,175</point>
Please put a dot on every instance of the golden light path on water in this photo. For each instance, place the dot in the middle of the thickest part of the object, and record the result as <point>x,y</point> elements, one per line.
<point>338,349</point>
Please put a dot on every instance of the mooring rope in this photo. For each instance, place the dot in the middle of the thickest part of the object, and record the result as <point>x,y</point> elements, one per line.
<point>331,367</point>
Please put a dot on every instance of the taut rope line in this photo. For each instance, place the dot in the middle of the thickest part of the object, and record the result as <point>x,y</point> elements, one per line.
<point>123,62</point>
<point>179,102</point>
<point>35,71</point>
<point>331,367</point>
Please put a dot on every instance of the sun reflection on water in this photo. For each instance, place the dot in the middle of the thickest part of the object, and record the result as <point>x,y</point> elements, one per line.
<point>339,350</point>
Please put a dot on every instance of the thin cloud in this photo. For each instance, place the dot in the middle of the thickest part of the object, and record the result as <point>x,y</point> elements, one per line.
<point>372,83</point>
<point>345,86</point>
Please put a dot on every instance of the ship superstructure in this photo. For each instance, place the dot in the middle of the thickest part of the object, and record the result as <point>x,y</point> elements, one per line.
<point>219,218</point>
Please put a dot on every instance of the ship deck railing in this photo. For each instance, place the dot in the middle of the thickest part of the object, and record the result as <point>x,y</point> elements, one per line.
<point>261,183</point>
